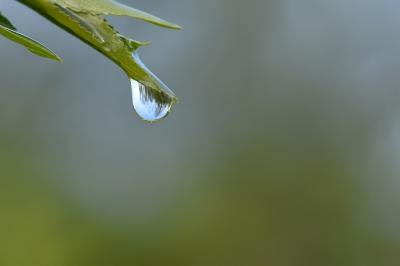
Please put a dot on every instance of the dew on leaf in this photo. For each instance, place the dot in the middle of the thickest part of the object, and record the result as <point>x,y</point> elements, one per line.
<point>150,104</point>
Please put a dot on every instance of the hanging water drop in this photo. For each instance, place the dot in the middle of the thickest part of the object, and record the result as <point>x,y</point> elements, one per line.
<point>151,105</point>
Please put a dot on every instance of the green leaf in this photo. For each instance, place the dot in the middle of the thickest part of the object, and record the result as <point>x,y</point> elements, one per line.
<point>4,22</point>
<point>96,32</point>
<point>9,31</point>
<point>110,7</point>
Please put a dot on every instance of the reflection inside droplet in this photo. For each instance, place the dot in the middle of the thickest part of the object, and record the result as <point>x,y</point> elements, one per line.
<point>151,105</point>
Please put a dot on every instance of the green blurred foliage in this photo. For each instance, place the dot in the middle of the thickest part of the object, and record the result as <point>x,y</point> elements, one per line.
<point>266,209</point>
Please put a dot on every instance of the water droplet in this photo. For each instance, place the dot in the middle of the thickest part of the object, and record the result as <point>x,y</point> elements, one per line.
<point>151,105</point>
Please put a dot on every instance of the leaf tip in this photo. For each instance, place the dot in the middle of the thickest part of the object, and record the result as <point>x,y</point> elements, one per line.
<point>173,26</point>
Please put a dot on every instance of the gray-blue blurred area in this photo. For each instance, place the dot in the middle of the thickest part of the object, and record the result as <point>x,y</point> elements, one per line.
<point>283,150</point>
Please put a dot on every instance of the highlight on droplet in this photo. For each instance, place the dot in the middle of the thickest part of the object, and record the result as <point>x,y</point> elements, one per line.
<point>151,105</point>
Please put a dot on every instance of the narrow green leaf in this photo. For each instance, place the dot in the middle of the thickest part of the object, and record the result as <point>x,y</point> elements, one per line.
<point>6,23</point>
<point>96,32</point>
<point>110,7</point>
<point>32,45</point>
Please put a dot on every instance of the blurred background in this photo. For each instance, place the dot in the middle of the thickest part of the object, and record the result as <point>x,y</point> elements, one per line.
<point>283,150</point>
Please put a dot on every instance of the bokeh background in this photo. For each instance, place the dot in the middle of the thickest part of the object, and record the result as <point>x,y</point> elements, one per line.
<point>283,150</point>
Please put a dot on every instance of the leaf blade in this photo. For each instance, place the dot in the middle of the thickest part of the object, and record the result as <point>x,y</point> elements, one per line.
<point>110,7</point>
<point>6,23</point>
<point>96,32</point>
<point>32,45</point>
